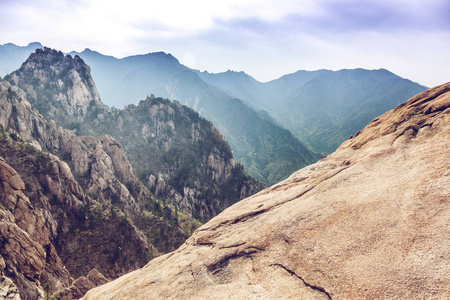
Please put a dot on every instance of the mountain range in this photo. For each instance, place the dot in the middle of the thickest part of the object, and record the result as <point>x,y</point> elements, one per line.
<point>168,145</point>
<point>320,108</point>
<point>269,152</point>
<point>273,128</point>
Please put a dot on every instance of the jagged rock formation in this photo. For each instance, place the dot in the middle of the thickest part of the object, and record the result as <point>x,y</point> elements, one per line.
<point>57,85</point>
<point>8,289</point>
<point>82,285</point>
<point>180,156</point>
<point>27,254</point>
<point>369,221</point>
<point>73,215</point>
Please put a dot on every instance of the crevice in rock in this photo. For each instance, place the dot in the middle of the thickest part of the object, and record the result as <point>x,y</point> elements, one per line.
<point>203,244</point>
<point>232,246</point>
<point>315,288</point>
<point>191,271</point>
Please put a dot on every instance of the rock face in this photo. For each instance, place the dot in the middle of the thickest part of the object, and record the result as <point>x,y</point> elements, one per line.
<point>58,86</point>
<point>27,254</point>
<point>369,221</point>
<point>71,216</point>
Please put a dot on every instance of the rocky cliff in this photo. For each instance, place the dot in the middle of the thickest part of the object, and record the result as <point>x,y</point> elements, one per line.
<point>27,254</point>
<point>72,204</point>
<point>180,156</point>
<point>57,85</point>
<point>369,221</point>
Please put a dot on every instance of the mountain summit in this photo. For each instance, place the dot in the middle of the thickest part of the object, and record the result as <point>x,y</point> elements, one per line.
<point>369,221</point>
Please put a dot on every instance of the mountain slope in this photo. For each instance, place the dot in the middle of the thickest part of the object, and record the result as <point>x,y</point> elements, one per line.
<point>322,108</point>
<point>369,221</point>
<point>269,152</point>
<point>180,156</point>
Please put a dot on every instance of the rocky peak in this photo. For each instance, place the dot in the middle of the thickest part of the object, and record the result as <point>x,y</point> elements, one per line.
<point>59,86</point>
<point>369,221</point>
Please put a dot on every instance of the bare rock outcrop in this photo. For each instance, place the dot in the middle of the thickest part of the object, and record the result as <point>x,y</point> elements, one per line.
<point>28,255</point>
<point>8,289</point>
<point>82,285</point>
<point>58,85</point>
<point>370,221</point>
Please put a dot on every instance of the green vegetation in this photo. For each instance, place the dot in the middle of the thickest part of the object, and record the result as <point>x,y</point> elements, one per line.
<point>99,233</point>
<point>269,152</point>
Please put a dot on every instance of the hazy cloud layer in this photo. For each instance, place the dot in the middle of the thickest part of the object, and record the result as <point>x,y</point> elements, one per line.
<point>265,38</point>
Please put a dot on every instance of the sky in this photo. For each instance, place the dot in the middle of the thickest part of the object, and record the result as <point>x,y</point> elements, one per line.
<point>264,38</point>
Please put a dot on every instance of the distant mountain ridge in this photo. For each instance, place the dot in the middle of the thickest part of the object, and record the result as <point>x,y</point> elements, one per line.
<point>12,56</point>
<point>322,108</point>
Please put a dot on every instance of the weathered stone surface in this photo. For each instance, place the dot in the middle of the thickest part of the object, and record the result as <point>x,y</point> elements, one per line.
<point>370,221</point>
<point>82,285</point>
<point>28,256</point>
<point>8,290</point>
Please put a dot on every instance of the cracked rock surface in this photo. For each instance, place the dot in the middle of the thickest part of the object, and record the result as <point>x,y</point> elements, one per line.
<point>370,221</point>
